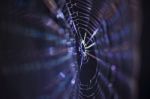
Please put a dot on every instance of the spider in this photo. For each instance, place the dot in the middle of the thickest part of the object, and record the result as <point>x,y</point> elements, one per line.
<point>84,47</point>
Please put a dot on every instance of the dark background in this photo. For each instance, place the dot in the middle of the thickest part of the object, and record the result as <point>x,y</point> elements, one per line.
<point>144,81</point>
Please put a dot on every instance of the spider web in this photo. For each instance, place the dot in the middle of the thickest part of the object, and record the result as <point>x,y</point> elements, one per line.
<point>69,49</point>
<point>108,27</point>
